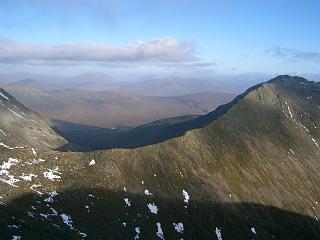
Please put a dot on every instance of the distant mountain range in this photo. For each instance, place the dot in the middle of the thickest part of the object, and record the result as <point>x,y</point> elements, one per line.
<point>109,109</point>
<point>146,85</point>
<point>248,170</point>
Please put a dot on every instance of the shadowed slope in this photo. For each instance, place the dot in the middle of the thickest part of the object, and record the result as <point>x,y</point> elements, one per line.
<point>103,214</point>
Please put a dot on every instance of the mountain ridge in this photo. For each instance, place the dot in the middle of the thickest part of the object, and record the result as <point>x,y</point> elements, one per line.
<point>228,179</point>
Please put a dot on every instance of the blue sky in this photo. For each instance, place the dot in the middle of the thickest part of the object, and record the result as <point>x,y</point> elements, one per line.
<point>174,36</point>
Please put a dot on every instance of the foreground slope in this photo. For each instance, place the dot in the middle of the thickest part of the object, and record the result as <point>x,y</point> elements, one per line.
<point>251,173</point>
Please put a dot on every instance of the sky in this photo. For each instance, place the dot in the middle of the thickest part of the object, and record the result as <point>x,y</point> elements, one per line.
<point>168,37</point>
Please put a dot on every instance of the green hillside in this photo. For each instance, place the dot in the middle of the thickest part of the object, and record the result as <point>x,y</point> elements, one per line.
<point>249,170</point>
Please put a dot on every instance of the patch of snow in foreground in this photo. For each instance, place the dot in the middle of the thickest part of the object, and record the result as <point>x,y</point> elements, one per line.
<point>5,145</point>
<point>253,230</point>
<point>137,236</point>
<point>51,174</point>
<point>127,202</point>
<point>35,161</point>
<point>92,162</point>
<point>28,177</point>
<point>178,227</point>
<point>50,197</point>
<point>34,151</point>
<point>5,174</point>
<point>159,231</point>
<point>186,196</point>
<point>68,221</point>
<point>153,208</point>
<point>147,192</point>
<point>35,186</point>
<point>16,237</point>
<point>218,234</point>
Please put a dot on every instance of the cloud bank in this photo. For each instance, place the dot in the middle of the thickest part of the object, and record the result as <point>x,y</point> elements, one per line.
<point>295,55</point>
<point>163,50</point>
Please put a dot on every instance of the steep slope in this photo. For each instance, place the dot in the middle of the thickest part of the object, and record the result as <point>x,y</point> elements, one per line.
<point>21,127</point>
<point>109,109</point>
<point>250,172</point>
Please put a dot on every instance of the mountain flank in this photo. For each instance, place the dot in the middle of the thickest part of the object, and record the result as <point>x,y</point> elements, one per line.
<point>249,170</point>
<point>21,127</point>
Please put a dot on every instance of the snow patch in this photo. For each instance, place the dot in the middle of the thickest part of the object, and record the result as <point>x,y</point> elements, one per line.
<point>67,220</point>
<point>127,202</point>
<point>34,151</point>
<point>51,174</point>
<point>178,227</point>
<point>159,231</point>
<point>315,142</point>
<point>289,109</point>
<point>92,162</point>
<point>218,234</point>
<point>147,192</point>
<point>137,236</point>
<point>5,173</point>
<point>16,237</point>
<point>28,177</point>
<point>4,96</point>
<point>50,197</point>
<point>186,197</point>
<point>17,114</point>
<point>36,186</point>
<point>153,208</point>
<point>35,161</point>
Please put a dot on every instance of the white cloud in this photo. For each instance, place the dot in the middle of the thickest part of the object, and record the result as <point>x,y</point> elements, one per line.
<point>163,50</point>
<point>295,55</point>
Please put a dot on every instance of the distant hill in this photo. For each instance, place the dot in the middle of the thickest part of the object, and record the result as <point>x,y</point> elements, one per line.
<point>109,109</point>
<point>166,87</point>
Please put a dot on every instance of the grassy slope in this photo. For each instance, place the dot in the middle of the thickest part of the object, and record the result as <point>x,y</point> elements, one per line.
<point>239,172</point>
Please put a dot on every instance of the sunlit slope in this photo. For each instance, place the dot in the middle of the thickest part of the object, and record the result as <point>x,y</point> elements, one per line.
<point>21,127</point>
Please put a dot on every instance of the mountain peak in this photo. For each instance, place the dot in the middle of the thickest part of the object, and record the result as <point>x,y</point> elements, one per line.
<point>287,79</point>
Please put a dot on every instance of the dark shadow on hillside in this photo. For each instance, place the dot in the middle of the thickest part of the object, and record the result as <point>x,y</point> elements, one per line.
<point>103,214</point>
<point>89,138</point>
